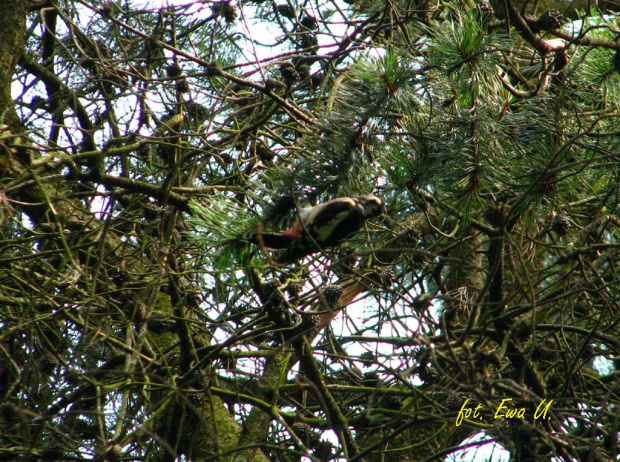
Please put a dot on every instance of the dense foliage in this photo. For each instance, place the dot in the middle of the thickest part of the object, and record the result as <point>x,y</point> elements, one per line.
<point>141,145</point>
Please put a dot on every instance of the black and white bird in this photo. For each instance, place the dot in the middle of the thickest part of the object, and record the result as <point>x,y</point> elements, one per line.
<point>322,226</point>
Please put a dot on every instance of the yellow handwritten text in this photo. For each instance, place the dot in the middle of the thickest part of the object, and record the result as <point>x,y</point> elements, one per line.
<point>468,412</point>
<point>537,414</point>
<point>503,411</point>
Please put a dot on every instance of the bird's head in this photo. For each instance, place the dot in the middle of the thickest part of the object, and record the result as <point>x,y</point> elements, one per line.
<point>373,205</point>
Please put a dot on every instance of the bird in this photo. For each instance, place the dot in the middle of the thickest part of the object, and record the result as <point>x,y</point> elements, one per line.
<point>321,226</point>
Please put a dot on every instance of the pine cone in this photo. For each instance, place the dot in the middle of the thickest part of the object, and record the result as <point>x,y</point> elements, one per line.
<point>226,10</point>
<point>522,330</point>
<point>473,401</point>
<point>303,67</point>
<point>554,384</point>
<point>289,74</point>
<point>428,375</point>
<point>305,434</point>
<point>276,301</point>
<point>548,21</point>
<point>486,359</point>
<point>193,299</point>
<point>367,358</point>
<point>323,451</point>
<point>268,288</point>
<point>114,453</point>
<point>454,401</point>
<point>197,111</point>
<point>308,41</point>
<point>560,225</point>
<point>275,308</point>
<point>47,363</point>
<point>310,321</point>
<point>173,71</point>
<point>410,236</point>
<point>294,289</point>
<point>371,379</point>
<point>196,398</point>
<point>419,259</point>
<point>109,10</point>
<point>386,275</point>
<point>392,402</point>
<point>264,153</point>
<point>332,294</point>
<point>226,158</point>
<point>309,22</point>
<point>181,85</point>
<point>286,10</point>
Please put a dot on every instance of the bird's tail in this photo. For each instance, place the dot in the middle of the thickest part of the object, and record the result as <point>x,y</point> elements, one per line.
<point>271,240</point>
<point>296,252</point>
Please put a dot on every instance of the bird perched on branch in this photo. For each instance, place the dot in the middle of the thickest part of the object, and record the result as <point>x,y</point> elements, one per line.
<point>322,226</point>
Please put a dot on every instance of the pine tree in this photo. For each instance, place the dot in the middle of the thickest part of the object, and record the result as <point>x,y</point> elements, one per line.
<point>144,148</point>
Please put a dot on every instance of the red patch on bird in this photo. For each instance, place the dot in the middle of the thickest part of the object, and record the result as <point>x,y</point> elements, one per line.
<point>293,233</point>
